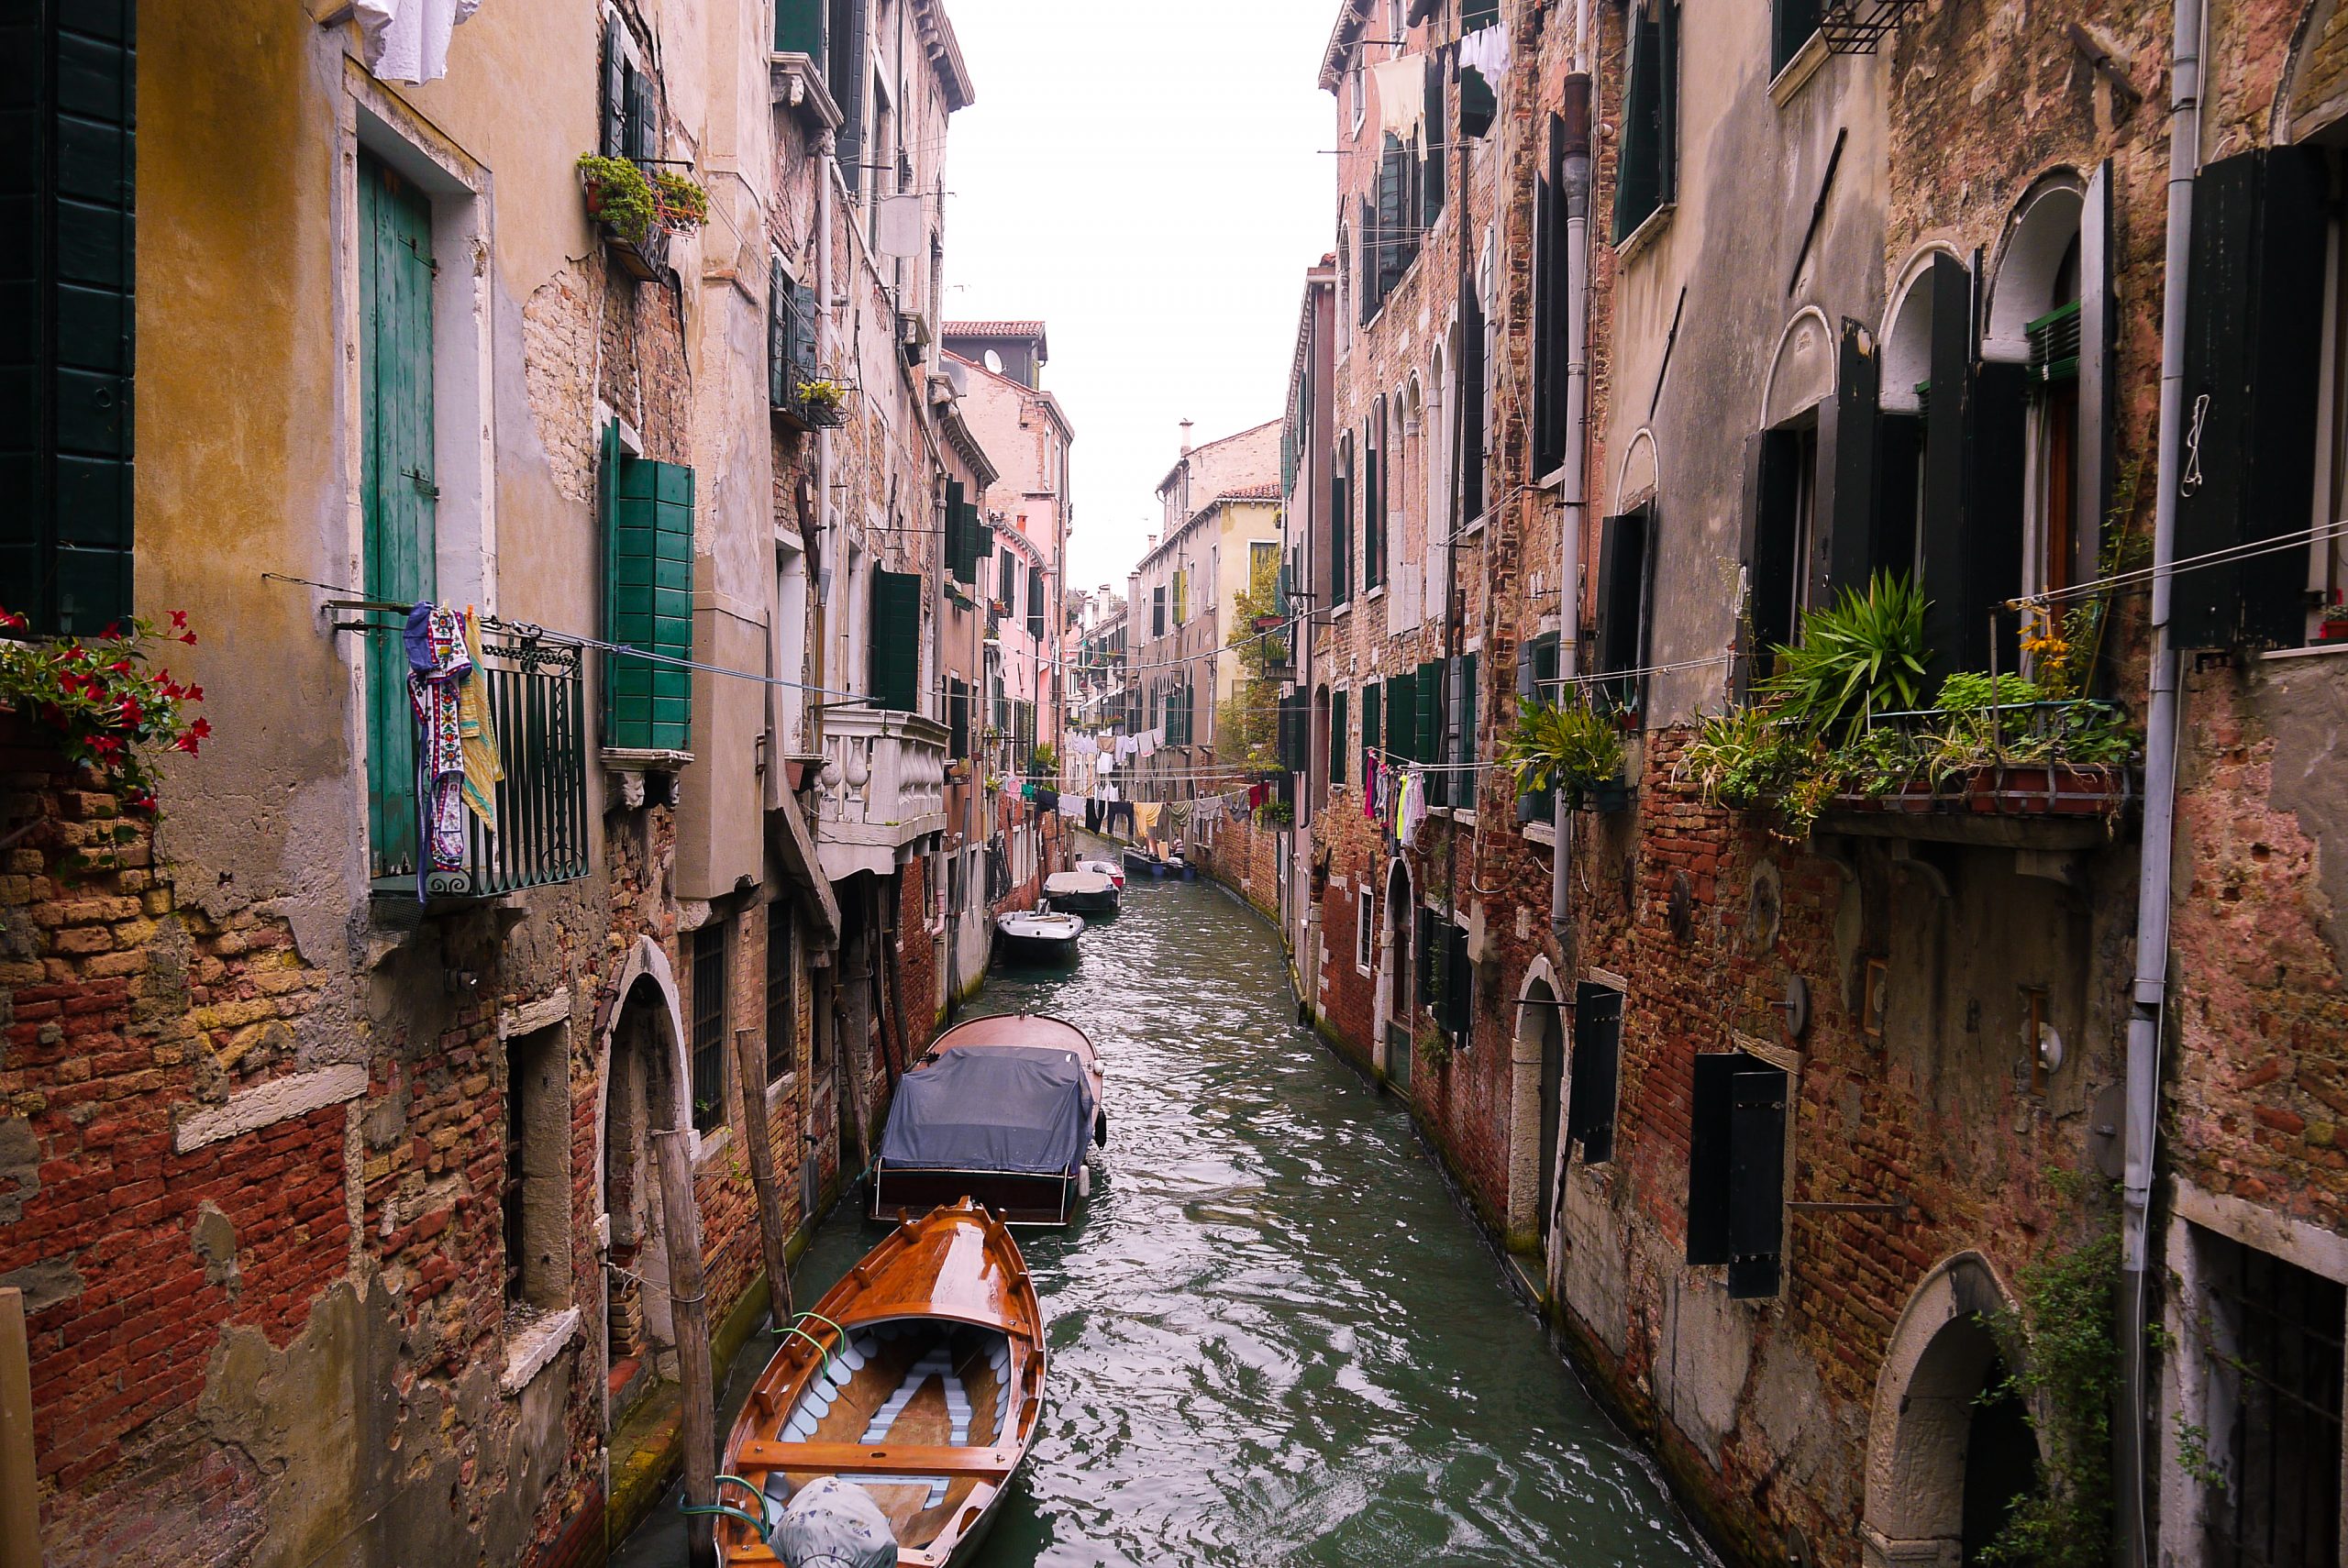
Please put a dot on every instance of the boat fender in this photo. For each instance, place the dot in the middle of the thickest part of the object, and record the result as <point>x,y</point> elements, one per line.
<point>833,1524</point>
<point>1084,1181</point>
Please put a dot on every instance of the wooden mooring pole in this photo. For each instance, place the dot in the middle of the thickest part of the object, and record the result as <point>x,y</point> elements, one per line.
<point>19,1491</point>
<point>689,1320</point>
<point>774,1233</point>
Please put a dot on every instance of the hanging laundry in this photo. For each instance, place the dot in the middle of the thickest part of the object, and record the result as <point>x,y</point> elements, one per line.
<point>435,641</point>
<point>1047,799</point>
<point>1401,87</point>
<point>1485,50</point>
<point>484,766</point>
<point>1255,793</point>
<point>407,40</point>
<point>1413,809</point>
<point>1370,787</point>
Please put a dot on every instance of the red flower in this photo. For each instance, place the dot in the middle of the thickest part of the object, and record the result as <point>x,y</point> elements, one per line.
<point>131,712</point>
<point>186,744</point>
<point>196,694</point>
<point>199,729</point>
<point>12,621</point>
<point>188,637</point>
<point>179,620</point>
<point>106,745</point>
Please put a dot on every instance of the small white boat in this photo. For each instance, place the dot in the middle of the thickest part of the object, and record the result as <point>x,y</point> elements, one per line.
<point>1037,935</point>
<point>1082,892</point>
<point>1109,868</point>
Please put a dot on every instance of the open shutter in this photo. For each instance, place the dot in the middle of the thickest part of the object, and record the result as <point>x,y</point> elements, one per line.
<point>649,704</point>
<point>1402,716</point>
<point>613,143</point>
<point>2093,459</point>
<point>1623,550</point>
<point>1769,555</point>
<point>1667,110</point>
<point>1458,1013</point>
<point>850,69</point>
<point>1598,1045</point>
<point>1463,744</point>
<point>957,545</point>
<point>1851,544</point>
<point>1943,565</point>
<point>1341,538</point>
<point>778,381</point>
<point>1471,405</point>
<point>895,654</point>
<point>1340,734</point>
<point>1638,187</point>
<point>1756,1180</point>
<point>1390,215</point>
<point>1426,744</point>
<point>1438,126</point>
<point>642,134</point>
<point>1479,104</point>
<point>1035,605</point>
<point>1711,1127</point>
<point>1369,297</point>
<point>69,91</point>
<point>1430,958</point>
<point>1536,672</point>
<point>802,331</point>
<point>799,28</point>
<point>1998,432</point>
<point>2253,367</point>
<point>1372,708</point>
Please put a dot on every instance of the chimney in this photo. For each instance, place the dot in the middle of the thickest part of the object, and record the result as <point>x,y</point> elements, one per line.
<point>1186,438</point>
<point>1151,545</point>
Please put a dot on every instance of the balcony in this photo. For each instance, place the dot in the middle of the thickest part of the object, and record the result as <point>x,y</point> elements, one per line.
<point>2041,774</point>
<point>537,702</point>
<point>883,787</point>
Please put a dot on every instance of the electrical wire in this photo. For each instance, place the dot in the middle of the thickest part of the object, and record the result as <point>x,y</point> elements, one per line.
<point>2141,575</point>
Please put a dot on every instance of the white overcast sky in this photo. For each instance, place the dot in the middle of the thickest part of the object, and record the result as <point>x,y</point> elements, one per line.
<point>1148,181</point>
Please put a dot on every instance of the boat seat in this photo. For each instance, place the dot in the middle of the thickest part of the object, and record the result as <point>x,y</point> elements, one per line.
<point>936,1363</point>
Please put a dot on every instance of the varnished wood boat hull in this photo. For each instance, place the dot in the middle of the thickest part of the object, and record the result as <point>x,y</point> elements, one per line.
<point>919,1376</point>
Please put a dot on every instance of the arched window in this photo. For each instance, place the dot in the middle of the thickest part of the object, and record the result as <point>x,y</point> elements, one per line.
<point>2034,321</point>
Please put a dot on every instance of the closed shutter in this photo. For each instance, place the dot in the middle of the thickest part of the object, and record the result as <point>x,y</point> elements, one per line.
<point>896,641</point>
<point>780,390</point>
<point>641,136</point>
<point>1156,604</point>
<point>1471,405</point>
<point>2097,411</point>
<point>1638,173</point>
<point>613,140</point>
<point>1597,1048</point>
<point>2252,368</point>
<point>799,28</point>
<point>1667,92</point>
<point>1756,1213</point>
<point>1463,750</point>
<point>1792,23</point>
<point>1390,174</point>
<point>1008,579</point>
<point>1457,1012</point>
<point>1340,735</point>
<point>648,705</point>
<point>398,500</point>
<point>1427,748</point>
<point>1850,547</point>
<point>1035,605</point>
<point>957,717</point>
<point>1402,717</point>
<point>1549,299</point>
<point>1476,13</point>
<point>1431,194</point>
<point>1430,958</point>
<point>69,90</point>
<point>1370,240</point>
<point>1341,539</point>
<point>1944,551</point>
<point>850,68</point>
<point>1372,706</point>
<point>1373,495</point>
<point>956,546</point>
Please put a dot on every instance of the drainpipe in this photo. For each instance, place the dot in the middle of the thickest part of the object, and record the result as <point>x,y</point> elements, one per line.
<point>825,338</point>
<point>2153,888</point>
<point>1575,115</point>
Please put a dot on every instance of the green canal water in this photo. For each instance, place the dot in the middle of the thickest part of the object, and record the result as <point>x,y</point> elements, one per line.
<point>1276,1338</point>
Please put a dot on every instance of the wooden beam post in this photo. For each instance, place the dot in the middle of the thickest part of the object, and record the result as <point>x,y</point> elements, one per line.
<point>774,1233</point>
<point>19,1489</point>
<point>689,1312</point>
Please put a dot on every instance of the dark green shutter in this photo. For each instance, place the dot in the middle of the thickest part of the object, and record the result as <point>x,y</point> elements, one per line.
<point>642,132</point>
<point>1341,538</point>
<point>1756,1180</point>
<point>2253,367</point>
<point>1156,604</point>
<point>780,389</point>
<point>1478,13</point>
<point>982,537</point>
<point>1430,958</point>
<point>1463,790</point>
<point>1427,746</point>
<point>68,103</point>
<point>1340,740</point>
<point>1712,1115</point>
<point>799,28</point>
<point>1431,172</point>
<point>1402,716</point>
<point>1035,604</point>
<point>1390,215</point>
<point>1772,540</point>
<point>1479,104</point>
<point>895,656</point>
<point>1471,404</point>
<point>1459,983</point>
<point>1370,298</point>
<point>1549,300</point>
<point>1536,669</point>
<point>1998,433</point>
<point>397,496</point>
<point>850,66</point>
<point>649,704</point>
<point>1638,172</point>
<point>1792,22</point>
<point>1625,579</point>
<point>612,141</point>
<point>1371,713</point>
<point>1944,550</point>
<point>957,718</point>
<point>1850,554</point>
<point>1597,1059</point>
<point>1667,92</point>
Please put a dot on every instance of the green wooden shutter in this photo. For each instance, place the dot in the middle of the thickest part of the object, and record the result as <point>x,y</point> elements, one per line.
<point>779,390</point>
<point>68,93</point>
<point>957,718</point>
<point>2253,296</point>
<point>1667,92</point>
<point>1536,668</point>
<point>1756,1180</point>
<point>1340,737</point>
<point>398,495</point>
<point>1370,715</point>
<point>1341,539</point>
<point>1430,958</point>
<point>1548,291</point>
<point>1712,1108</point>
<point>1597,1061</point>
<point>1942,564</point>
<point>1459,983</point>
<point>1402,716</point>
<point>1430,170</point>
<point>895,660</point>
<point>1478,13</point>
<point>1035,605</point>
<point>1638,174</point>
<point>1850,554</point>
<point>1463,785</point>
<point>648,705</point>
<point>799,28</point>
<point>642,132</point>
<point>1370,297</point>
<point>850,66</point>
<point>1471,404</point>
<point>613,140</point>
<point>958,543</point>
<point>1390,215</point>
<point>1479,104</point>
<point>1427,744</point>
<point>1773,539</point>
<point>1791,24</point>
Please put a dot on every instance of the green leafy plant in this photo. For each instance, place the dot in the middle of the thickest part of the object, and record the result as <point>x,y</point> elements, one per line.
<point>1042,760</point>
<point>105,699</point>
<point>1745,758</point>
<point>1434,1046</point>
<point>1275,813</point>
<point>2071,1376</point>
<point>619,196</point>
<point>822,393</point>
<point>685,205</point>
<point>1566,746</point>
<point>1862,656</point>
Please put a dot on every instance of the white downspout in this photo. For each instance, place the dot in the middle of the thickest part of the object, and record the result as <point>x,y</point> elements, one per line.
<point>1576,114</point>
<point>2146,1019</point>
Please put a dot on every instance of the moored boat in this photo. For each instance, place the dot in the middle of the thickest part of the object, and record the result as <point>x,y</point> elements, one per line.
<point>1142,863</point>
<point>999,1109</point>
<point>918,1377</point>
<point>1082,892</point>
<point>1109,868</point>
<point>1036,936</point>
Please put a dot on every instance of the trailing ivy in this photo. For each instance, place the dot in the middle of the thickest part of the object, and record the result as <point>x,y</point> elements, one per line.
<point>2070,1378</point>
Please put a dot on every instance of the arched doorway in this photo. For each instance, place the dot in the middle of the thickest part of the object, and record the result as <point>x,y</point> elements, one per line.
<point>1950,1447</point>
<point>1394,968</point>
<point>643,1069</point>
<point>1537,1106</point>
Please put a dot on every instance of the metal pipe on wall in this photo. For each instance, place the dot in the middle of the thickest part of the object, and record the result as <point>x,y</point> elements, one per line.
<point>1575,113</point>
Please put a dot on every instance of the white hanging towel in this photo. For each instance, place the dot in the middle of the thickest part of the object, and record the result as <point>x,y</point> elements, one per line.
<point>1401,85</point>
<point>407,40</point>
<point>1486,51</point>
<point>897,225</point>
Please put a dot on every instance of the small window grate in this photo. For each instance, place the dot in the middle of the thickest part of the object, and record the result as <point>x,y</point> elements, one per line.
<point>1857,26</point>
<point>709,1026</point>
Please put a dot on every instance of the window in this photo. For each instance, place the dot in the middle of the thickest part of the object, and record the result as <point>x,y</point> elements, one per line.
<point>1646,175</point>
<point>1464,793</point>
<point>648,705</point>
<point>783,1013</point>
<point>2257,282</point>
<point>1783,530</point>
<point>68,83</point>
<point>2271,1353</point>
<point>1357,92</point>
<point>709,1026</point>
<point>1364,927</point>
<point>1370,717</point>
<point>1157,611</point>
<point>1476,13</point>
<point>1625,591</point>
<point>1597,1059</point>
<point>790,348</point>
<point>1432,691</point>
<point>1340,734</point>
<point>1551,303</point>
<point>1373,495</point>
<point>1471,404</point>
<point>537,1168</point>
<point>1035,605</point>
<point>1447,978</point>
<point>957,718</point>
<point>1263,562</point>
<point>895,647</point>
<point>1341,530</point>
<point>1737,1169</point>
<point>846,67</point>
<point>631,109</point>
<point>1791,23</point>
<point>1537,680</point>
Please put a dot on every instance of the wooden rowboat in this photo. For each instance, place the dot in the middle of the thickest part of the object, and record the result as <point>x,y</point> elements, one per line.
<point>919,1376</point>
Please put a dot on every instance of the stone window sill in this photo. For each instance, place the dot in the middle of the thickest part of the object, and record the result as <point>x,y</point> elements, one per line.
<point>1542,834</point>
<point>1642,238</point>
<point>1797,70</point>
<point>2313,650</point>
<point>533,1339</point>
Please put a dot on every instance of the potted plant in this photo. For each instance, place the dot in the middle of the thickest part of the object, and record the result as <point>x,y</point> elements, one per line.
<point>639,211</point>
<point>1569,746</point>
<point>2335,628</point>
<point>824,402</point>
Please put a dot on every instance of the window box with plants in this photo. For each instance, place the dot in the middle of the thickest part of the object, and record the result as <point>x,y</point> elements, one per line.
<point>638,212</point>
<point>822,403</point>
<point>1841,724</point>
<point>1567,746</point>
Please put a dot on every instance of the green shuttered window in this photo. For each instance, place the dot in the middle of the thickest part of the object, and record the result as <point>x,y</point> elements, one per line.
<point>799,28</point>
<point>896,641</point>
<point>1646,174</point>
<point>68,86</point>
<point>1370,715</point>
<point>1340,734</point>
<point>648,706</point>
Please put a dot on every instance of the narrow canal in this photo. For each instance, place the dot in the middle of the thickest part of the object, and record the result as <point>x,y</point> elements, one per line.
<point>1276,1339</point>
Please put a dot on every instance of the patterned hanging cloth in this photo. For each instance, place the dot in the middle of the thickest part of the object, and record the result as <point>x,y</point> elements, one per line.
<point>484,768</point>
<point>435,640</point>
